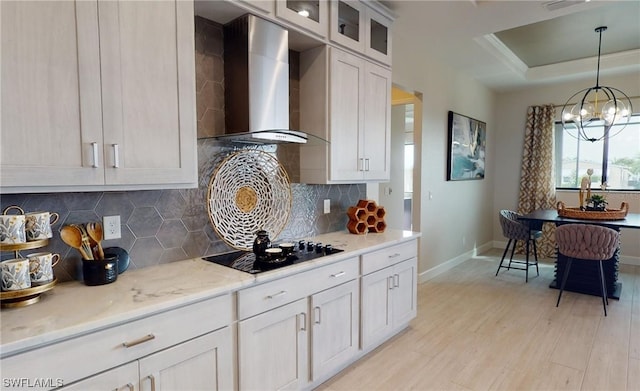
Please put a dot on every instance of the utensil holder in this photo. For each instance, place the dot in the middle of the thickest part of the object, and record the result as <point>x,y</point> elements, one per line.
<point>100,272</point>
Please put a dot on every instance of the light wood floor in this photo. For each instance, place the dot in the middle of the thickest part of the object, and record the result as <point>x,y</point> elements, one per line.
<point>475,331</point>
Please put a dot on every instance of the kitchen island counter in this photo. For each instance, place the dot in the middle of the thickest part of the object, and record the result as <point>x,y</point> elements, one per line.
<point>72,308</point>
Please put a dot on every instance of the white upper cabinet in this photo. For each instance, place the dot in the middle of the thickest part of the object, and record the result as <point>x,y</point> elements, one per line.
<point>378,36</point>
<point>51,114</point>
<point>356,25</point>
<point>376,132</point>
<point>311,15</point>
<point>347,24</point>
<point>97,95</point>
<point>148,91</point>
<point>355,119</point>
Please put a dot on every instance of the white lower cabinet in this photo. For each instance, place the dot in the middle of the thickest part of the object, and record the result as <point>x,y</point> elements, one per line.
<point>204,363</point>
<point>273,349</point>
<point>404,297</point>
<point>388,300</point>
<point>274,346</point>
<point>124,377</point>
<point>307,334</point>
<point>296,332</point>
<point>188,347</point>
<point>334,329</point>
<point>290,333</point>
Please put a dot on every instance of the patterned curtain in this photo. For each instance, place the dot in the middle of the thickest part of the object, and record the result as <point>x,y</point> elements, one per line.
<point>537,178</point>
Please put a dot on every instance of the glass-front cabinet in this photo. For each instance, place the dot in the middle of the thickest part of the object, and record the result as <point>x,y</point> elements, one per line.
<point>311,15</point>
<point>347,24</point>
<point>359,27</point>
<point>378,36</point>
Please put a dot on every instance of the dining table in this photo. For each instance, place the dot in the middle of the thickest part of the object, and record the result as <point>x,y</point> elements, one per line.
<point>584,276</point>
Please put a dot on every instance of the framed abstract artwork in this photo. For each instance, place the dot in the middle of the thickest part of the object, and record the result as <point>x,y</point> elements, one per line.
<point>467,146</point>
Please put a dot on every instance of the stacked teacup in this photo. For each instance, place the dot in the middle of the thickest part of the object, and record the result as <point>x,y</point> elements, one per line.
<point>36,268</point>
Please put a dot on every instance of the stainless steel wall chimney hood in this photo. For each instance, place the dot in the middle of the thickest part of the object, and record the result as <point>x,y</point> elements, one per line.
<point>256,69</point>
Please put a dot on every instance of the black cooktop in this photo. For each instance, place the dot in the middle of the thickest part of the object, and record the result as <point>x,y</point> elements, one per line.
<point>247,261</point>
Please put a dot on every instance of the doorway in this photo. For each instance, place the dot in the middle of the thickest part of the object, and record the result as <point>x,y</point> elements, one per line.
<point>401,194</point>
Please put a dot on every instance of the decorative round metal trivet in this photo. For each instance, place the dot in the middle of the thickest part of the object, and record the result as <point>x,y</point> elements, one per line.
<point>248,192</point>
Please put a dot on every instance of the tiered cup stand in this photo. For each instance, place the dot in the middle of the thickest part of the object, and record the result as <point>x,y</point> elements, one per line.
<point>24,297</point>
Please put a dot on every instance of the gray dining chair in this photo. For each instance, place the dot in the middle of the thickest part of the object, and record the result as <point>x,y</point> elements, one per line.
<point>515,230</point>
<point>587,242</point>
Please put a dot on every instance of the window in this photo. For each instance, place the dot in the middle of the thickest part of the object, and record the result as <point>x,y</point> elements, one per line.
<point>615,161</point>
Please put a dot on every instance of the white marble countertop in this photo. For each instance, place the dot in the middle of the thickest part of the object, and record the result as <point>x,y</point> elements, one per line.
<point>72,308</point>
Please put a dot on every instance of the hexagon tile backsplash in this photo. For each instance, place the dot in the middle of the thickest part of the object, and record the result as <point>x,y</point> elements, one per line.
<point>161,226</point>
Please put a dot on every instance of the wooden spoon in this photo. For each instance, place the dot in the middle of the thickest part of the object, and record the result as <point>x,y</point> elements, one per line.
<point>86,240</point>
<point>73,238</point>
<point>95,232</point>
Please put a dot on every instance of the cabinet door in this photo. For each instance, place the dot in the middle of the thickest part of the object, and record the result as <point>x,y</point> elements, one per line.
<point>50,94</point>
<point>377,122</point>
<point>124,377</point>
<point>378,36</point>
<point>204,363</point>
<point>404,292</point>
<point>347,24</point>
<point>273,351</point>
<point>376,307</point>
<point>334,331</point>
<point>347,110</point>
<point>148,91</point>
<point>311,15</point>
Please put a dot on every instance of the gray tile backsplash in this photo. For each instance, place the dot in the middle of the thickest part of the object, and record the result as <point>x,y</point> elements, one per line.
<point>161,226</point>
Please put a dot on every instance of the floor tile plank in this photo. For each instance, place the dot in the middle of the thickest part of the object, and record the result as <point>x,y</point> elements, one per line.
<point>476,331</point>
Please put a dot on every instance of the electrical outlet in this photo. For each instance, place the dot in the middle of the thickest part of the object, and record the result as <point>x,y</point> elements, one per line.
<point>111,227</point>
<point>327,206</point>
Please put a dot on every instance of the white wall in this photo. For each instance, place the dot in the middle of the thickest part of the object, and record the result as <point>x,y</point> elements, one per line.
<point>462,216</point>
<point>457,219</point>
<point>511,110</point>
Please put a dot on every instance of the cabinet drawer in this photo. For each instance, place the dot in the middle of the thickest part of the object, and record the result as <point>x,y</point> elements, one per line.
<point>273,294</point>
<point>91,353</point>
<point>388,256</point>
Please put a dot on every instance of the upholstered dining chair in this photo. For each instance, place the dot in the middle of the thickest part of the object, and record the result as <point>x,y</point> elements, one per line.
<point>588,242</point>
<point>515,230</point>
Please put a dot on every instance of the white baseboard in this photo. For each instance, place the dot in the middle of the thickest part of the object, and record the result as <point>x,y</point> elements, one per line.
<point>451,263</point>
<point>629,260</point>
<point>500,244</point>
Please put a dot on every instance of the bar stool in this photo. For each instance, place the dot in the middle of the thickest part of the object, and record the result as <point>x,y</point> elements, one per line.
<point>515,230</point>
<point>588,242</point>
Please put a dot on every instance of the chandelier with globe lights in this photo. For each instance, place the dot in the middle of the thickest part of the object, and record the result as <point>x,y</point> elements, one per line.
<point>597,107</point>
